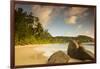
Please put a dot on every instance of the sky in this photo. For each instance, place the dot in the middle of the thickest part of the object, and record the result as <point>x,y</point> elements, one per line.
<point>63,20</point>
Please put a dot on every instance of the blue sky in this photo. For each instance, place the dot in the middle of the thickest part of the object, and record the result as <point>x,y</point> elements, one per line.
<point>64,20</point>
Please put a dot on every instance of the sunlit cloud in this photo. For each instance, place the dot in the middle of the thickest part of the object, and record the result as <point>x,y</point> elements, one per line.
<point>74,13</point>
<point>44,13</point>
<point>71,20</point>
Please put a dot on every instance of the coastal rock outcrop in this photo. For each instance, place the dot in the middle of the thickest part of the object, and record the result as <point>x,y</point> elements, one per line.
<point>75,50</point>
<point>58,57</point>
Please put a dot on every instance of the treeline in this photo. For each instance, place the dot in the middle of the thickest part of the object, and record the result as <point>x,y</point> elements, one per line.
<point>81,38</point>
<point>28,29</point>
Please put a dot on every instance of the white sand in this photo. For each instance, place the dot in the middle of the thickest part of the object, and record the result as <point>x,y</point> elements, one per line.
<point>33,55</point>
<point>26,55</point>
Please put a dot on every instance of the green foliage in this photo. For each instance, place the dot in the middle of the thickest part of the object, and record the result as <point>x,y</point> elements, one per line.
<point>83,38</point>
<point>28,29</point>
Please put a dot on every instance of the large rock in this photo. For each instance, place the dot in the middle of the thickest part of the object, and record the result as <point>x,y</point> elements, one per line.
<point>78,52</point>
<point>58,57</point>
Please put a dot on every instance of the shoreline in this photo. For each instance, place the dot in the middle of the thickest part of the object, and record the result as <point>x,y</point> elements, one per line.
<point>33,55</point>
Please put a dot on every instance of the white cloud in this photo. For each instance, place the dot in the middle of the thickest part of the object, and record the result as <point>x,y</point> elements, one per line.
<point>74,13</point>
<point>43,12</point>
<point>72,20</point>
<point>46,13</point>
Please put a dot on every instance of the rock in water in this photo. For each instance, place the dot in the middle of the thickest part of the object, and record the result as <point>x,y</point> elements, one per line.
<point>78,52</point>
<point>58,57</point>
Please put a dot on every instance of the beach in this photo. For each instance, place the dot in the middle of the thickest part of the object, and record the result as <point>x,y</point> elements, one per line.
<point>25,55</point>
<point>39,53</point>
